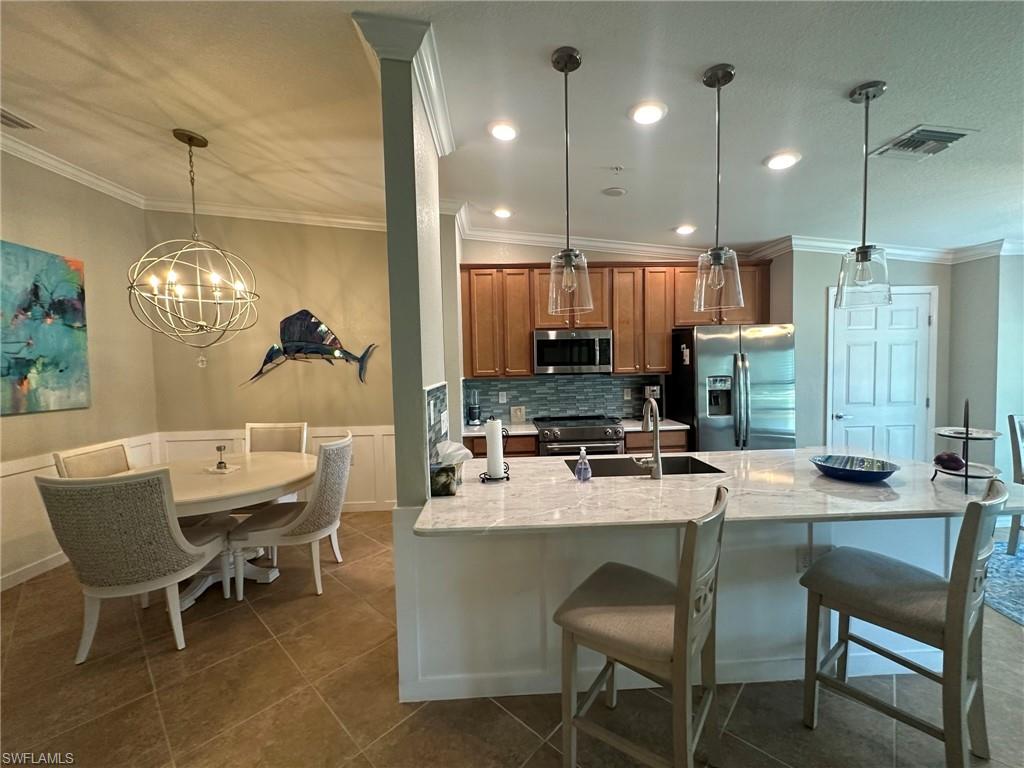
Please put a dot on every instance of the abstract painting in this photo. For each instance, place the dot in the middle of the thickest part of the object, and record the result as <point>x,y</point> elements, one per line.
<point>45,359</point>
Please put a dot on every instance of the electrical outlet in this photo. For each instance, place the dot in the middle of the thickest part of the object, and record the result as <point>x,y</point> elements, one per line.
<point>503,397</point>
<point>518,414</point>
<point>627,393</point>
<point>444,421</point>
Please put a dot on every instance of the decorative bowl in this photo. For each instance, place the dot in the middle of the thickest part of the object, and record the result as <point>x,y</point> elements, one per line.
<point>854,469</point>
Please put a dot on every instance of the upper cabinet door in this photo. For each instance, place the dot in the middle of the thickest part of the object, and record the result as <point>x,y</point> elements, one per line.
<point>467,330</point>
<point>600,289</point>
<point>485,349</point>
<point>658,303</point>
<point>755,305</point>
<point>685,285</point>
<point>518,322</point>
<point>627,319</point>
<point>541,318</point>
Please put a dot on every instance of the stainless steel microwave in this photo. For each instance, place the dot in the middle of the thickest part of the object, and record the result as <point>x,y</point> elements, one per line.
<point>580,351</point>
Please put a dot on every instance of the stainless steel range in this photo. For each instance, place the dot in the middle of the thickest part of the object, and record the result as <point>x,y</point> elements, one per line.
<point>565,435</point>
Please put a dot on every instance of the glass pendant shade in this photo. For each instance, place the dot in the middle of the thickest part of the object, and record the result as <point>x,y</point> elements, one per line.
<point>718,281</point>
<point>569,293</point>
<point>863,278</point>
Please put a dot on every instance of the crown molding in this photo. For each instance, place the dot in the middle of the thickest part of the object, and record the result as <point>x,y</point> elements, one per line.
<point>772,249</point>
<point>391,37</point>
<point>426,67</point>
<point>266,214</point>
<point>18,148</point>
<point>651,250</point>
<point>897,252</point>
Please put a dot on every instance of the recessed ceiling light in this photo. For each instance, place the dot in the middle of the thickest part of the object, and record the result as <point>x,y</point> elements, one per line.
<point>648,112</point>
<point>502,213</point>
<point>503,130</point>
<point>780,161</point>
<point>685,229</point>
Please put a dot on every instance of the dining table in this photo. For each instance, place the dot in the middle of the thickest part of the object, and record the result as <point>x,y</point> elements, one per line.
<point>252,479</point>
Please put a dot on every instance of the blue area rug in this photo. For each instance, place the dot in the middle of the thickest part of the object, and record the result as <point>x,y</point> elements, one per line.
<point>1005,589</point>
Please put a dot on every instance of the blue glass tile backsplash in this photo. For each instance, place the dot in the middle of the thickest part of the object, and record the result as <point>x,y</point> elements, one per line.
<point>437,403</point>
<point>561,395</point>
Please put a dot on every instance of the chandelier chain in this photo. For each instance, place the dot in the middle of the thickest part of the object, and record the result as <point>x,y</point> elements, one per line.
<point>192,185</point>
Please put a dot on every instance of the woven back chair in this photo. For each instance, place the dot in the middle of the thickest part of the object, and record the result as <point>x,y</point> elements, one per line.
<point>288,436</point>
<point>298,522</point>
<point>92,461</point>
<point>122,538</point>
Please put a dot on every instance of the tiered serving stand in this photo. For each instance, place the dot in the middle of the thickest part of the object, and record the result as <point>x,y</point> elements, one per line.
<point>966,435</point>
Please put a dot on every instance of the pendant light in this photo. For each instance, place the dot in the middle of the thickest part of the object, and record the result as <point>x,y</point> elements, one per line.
<point>718,274</point>
<point>864,274</point>
<point>192,290</point>
<point>569,292</point>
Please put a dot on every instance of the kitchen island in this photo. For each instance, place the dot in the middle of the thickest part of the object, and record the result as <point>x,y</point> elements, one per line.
<point>481,573</point>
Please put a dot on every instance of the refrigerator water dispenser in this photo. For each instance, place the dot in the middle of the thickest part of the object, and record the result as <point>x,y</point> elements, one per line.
<point>719,395</point>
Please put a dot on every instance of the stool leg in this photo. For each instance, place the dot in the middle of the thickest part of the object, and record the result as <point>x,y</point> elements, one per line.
<point>954,711</point>
<point>611,694</point>
<point>682,715</point>
<point>976,714</point>
<point>844,638</point>
<point>1011,545</point>
<point>712,731</point>
<point>568,700</point>
<point>811,660</point>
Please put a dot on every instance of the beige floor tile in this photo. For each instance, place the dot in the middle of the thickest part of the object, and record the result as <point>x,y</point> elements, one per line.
<point>1004,714</point>
<point>545,757</point>
<point>39,710</point>
<point>292,600</point>
<point>206,642</point>
<point>727,694</point>
<point>364,694</point>
<point>334,638</point>
<point>385,534</point>
<point>56,604</point>
<point>128,737</point>
<point>369,575</point>
<point>384,603</point>
<point>1003,652</point>
<point>359,761</point>
<point>155,622</point>
<point>770,716</point>
<point>297,732</point>
<point>355,545</point>
<point>471,733</point>
<point>362,521</point>
<point>541,712</point>
<point>8,608</point>
<point>222,696</point>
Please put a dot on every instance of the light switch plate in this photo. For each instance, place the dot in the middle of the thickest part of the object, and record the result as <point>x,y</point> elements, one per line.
<point>444,421</point>
<point>518,414</point>
<point>503,397</point>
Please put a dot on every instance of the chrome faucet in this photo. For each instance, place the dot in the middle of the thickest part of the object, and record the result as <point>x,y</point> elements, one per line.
<point>651,423</point>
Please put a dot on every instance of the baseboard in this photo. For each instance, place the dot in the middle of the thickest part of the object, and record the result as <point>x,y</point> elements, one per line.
<point>26,572</point>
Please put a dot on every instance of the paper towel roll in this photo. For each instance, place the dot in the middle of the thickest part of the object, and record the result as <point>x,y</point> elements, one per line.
<point>495,457</point>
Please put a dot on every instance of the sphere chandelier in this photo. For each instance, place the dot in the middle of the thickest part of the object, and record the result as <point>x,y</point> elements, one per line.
<point>192,290</point>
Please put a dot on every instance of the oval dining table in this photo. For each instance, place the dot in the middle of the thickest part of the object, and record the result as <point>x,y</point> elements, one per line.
<point>261,477</point>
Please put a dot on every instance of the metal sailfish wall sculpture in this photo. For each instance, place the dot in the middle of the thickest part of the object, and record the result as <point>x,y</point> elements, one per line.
<point>304,337</point>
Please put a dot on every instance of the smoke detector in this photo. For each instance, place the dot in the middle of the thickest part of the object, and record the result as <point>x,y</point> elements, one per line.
<point>922,142</point>
<point>11,120</point>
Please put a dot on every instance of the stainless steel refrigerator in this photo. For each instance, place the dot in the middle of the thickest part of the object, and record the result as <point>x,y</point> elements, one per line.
<point>735,385</point>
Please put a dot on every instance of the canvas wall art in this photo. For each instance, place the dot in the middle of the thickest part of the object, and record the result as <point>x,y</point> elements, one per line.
<point>45,358</point>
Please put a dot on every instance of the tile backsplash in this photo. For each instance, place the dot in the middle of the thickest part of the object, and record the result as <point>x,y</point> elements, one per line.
<point>560,395</point>
<point>437,404</point>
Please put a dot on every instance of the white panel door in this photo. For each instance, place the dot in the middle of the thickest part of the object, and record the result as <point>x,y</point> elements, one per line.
<point>880,377</point>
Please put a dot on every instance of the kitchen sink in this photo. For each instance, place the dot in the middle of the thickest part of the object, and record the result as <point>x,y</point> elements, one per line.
<point>624,466</point>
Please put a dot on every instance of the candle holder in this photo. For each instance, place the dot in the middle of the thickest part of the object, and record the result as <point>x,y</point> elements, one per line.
<point>221,464</point>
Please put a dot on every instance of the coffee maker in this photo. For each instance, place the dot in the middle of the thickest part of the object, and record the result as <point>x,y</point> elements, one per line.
<point>473,408</point>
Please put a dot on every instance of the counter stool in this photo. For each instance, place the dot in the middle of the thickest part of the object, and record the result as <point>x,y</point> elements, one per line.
<point>1016,440</point>
<point>918,604</point>
<point>655,628</point>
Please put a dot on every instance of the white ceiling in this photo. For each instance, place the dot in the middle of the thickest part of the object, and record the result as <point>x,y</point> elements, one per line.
<point>289,100</point>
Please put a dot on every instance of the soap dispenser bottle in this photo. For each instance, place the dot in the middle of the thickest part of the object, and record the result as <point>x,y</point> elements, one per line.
<point>583,472</point>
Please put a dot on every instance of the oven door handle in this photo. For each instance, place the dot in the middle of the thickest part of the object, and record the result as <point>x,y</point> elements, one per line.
<point>575,447</point>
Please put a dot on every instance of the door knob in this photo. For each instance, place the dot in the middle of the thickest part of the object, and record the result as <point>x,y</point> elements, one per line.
<point>838,416</point>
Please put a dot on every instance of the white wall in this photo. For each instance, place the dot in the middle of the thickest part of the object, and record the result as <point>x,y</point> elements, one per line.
<point>1010,352</point>
<point>428,238</point>
<point>451,290</point>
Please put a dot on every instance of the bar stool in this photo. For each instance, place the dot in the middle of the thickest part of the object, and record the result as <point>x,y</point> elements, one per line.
<point>1016,439</point>
<point>918,604</point>
<point>655,628</point>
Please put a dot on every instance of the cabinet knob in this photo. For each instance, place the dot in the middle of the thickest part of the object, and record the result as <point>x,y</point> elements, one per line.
<point>637,366</point>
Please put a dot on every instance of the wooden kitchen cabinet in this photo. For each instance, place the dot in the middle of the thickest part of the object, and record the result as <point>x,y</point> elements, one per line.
<point>517,445</point>
<point>659,302</point>
<point>753,278</point>
<point>685,287</point>
<point>643,442</point>
<point>517,326</point>
<point>627,319</point>
<point>497,322</point>
<point>600,289</point>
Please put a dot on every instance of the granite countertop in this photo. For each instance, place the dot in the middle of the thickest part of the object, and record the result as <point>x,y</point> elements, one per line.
<point>629,425</point>
<point>779,485</point>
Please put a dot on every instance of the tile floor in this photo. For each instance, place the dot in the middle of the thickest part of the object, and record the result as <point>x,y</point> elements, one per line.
<point>286,679</point>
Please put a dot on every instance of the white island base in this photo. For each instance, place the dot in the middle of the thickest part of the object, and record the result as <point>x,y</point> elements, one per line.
<point>482,573</point>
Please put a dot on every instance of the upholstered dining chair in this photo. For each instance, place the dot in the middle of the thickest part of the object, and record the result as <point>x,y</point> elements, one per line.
<point>656,628</point>
<point>1016,441</point>
<point>921,605</point>
<point>122,537</point>
<point>299,522</point>
<point>100,460</point>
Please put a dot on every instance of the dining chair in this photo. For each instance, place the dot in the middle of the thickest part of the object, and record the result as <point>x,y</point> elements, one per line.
<point>1016,440</point>
<point>659,629</point>
<point>292,523</point>
<point>100,460</point>
<point>122,538</point>
<point>921,605</point>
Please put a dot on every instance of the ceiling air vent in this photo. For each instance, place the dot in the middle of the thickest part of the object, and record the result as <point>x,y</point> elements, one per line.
<point>11,120</point>
<point>921,142</point>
